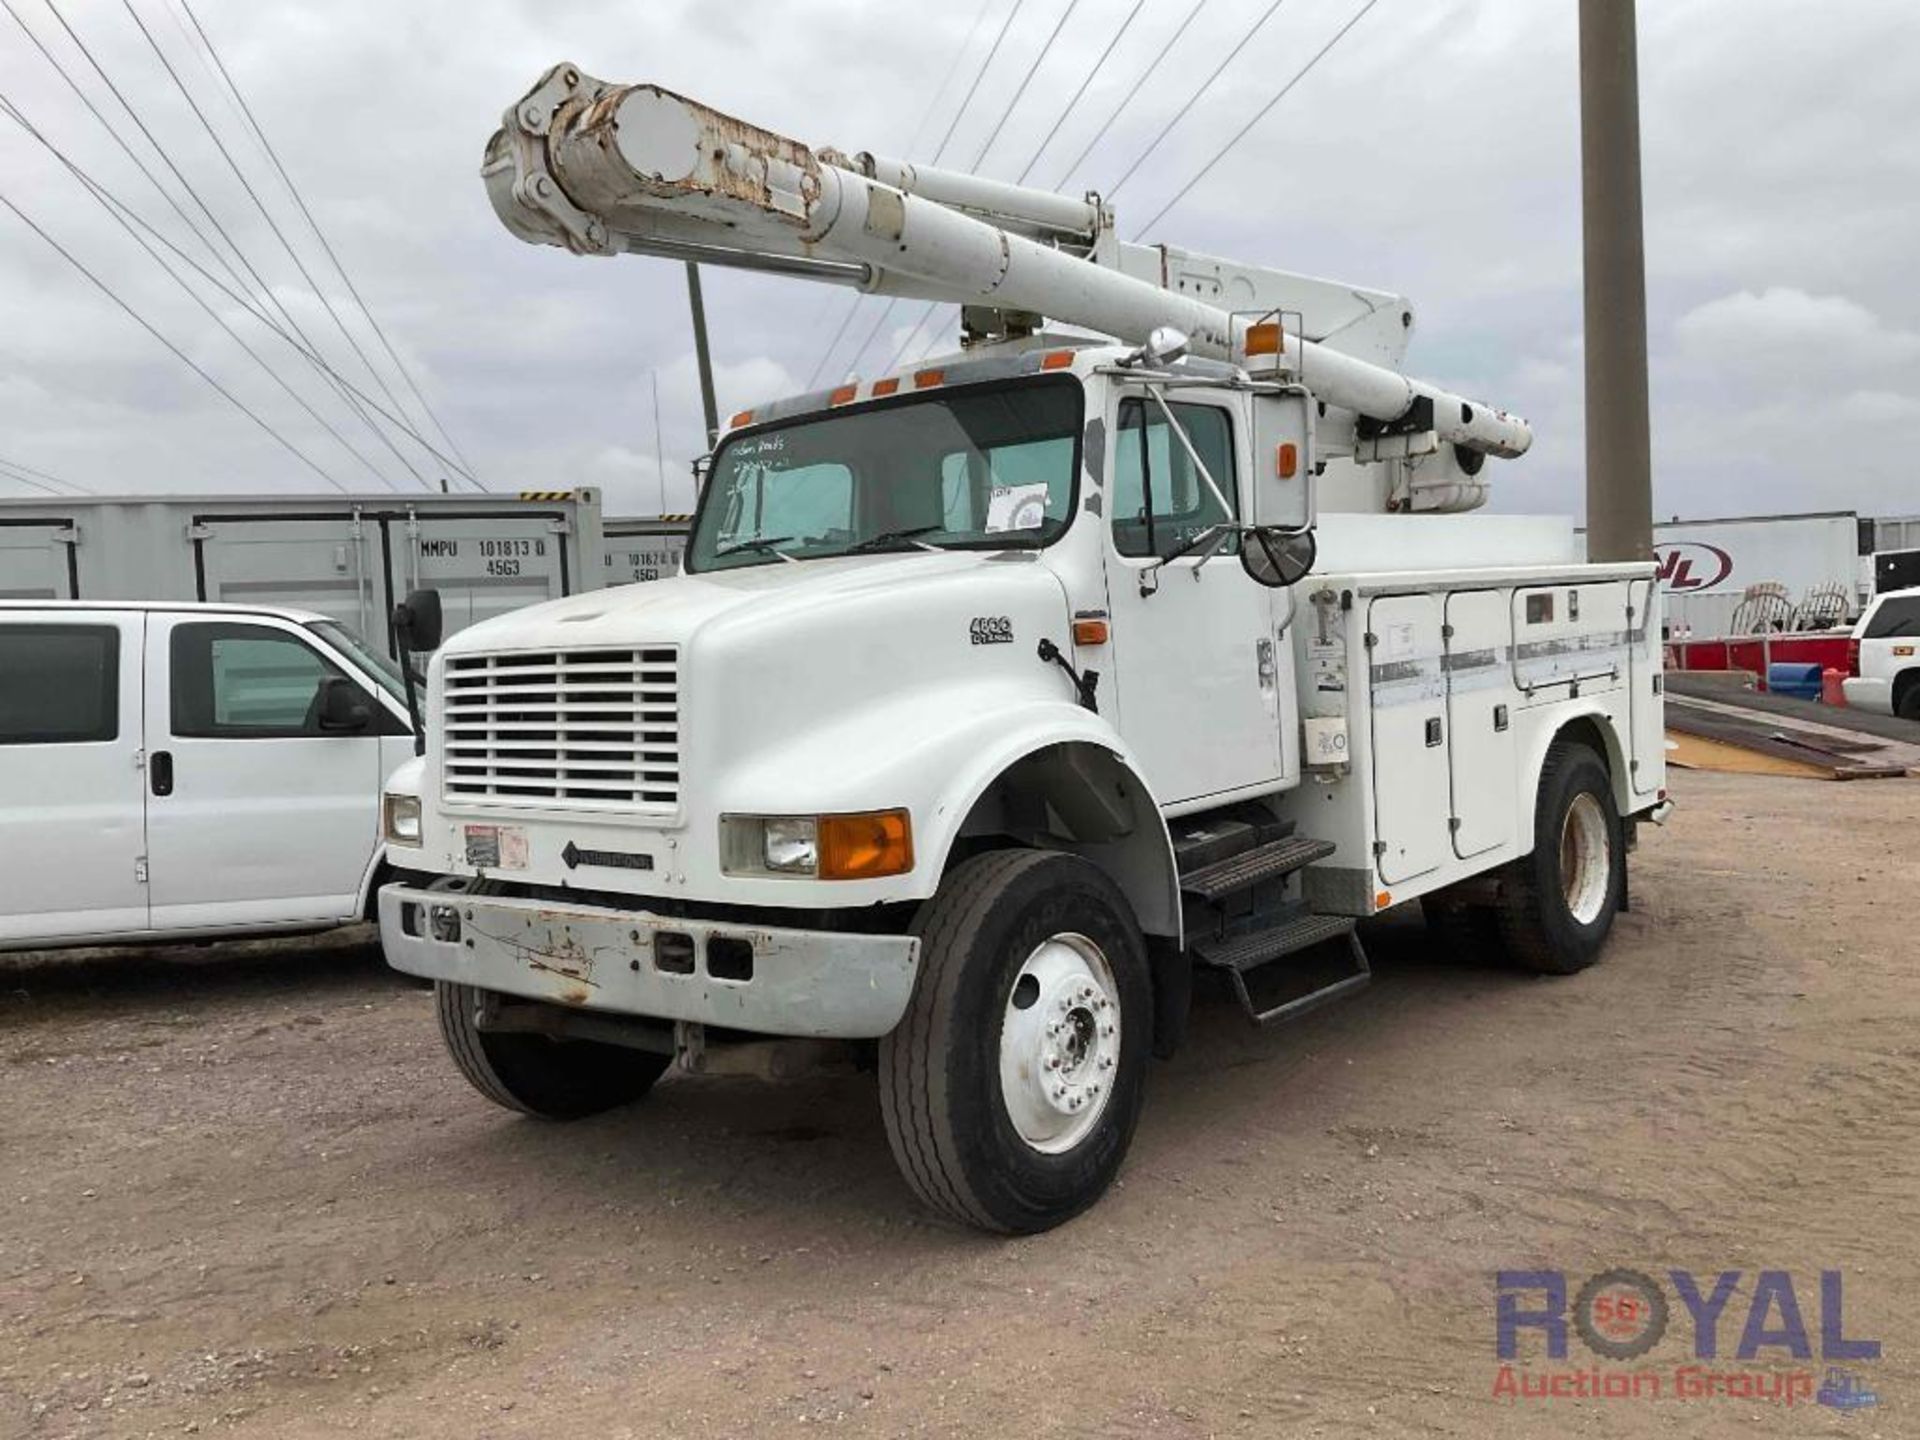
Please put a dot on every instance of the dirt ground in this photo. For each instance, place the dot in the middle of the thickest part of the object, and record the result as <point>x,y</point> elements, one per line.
<point>246,1191</point>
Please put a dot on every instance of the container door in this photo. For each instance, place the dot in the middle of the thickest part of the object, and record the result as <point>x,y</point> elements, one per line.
<point>72,812</point>
<point>1647,683</point>
<point>37,560</point>
<point>1480,749</point>
<point>325,562</point>
<point>484,564</point>
<point>1411,802</point>
<point>266,818</point>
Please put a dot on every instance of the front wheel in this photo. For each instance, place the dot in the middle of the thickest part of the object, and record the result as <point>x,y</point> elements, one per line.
<point>1558,903</point>
<point>1011,1086</point>
<point>536,1075</point>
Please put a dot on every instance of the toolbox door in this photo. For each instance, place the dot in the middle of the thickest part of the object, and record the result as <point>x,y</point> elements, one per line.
<point>1480,749</point>
<point>1647,683</point>
<point>1408,695</point>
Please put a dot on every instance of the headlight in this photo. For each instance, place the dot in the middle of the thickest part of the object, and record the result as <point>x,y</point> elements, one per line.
<point>863,846</point>
<point>400,819</point>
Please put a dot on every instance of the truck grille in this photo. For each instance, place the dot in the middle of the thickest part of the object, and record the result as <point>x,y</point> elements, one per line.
<point>587,729</point>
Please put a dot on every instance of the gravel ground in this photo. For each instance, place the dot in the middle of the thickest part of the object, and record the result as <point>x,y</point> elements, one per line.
<point>242,1189</point>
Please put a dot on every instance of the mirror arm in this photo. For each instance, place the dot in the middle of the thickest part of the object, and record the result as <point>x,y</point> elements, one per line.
<point>1180,433</point>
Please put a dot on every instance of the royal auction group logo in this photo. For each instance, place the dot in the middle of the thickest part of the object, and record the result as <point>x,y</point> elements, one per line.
<point>1620,1315</point>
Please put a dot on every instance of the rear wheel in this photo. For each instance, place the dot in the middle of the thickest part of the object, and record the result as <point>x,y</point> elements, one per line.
<point>536,1075</point>
<point>1011,1086</point>
<point>1557,904</point>
<point>1907,705</point>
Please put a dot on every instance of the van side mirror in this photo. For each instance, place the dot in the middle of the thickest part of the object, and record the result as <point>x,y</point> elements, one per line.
<point>417,622</point>
<point>343,706</point>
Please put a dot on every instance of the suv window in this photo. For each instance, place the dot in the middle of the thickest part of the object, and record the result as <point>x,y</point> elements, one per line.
<point>59,684</point>
<point>239,681</point>
<point>1897,615</point>
<point>1159,500</point>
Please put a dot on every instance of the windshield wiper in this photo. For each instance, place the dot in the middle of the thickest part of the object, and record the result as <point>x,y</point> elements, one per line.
<point>757,543</point>
<point>894,537</point>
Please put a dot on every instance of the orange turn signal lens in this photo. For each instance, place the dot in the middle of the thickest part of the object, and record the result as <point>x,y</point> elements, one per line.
<point>1264,338</point>
<point>1382,900</point>
<point>885,387</point>
<point>865,847</point>
<point>1286,460</point>
<point>1056,360</point>
<point>1089,632</point>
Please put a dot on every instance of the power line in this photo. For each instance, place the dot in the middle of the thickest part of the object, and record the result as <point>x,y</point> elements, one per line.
<point>945,140</point>
<point>273,155</point>
<point>114,207</point>
<point>259,285</point>
<point>1127,99</point>
<point>26,475</point>
<point>1205,85</point>
<point>1098,65</point>
<point>178,353</point>
<point>319,293</point>
<point>1258,116</point>
<point>953,69</point>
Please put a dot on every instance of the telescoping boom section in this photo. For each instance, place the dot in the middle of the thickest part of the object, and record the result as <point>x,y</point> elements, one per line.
<point>601,169</point>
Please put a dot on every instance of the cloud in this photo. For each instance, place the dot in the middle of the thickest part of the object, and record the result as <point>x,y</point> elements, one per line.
<point>1782,329</point>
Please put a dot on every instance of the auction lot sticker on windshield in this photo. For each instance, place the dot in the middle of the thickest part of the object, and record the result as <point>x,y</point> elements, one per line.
<point>496,847</point>
<point>1016,507</point>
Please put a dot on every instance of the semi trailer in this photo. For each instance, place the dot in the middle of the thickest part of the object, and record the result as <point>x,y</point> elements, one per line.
<point>1003,695</point>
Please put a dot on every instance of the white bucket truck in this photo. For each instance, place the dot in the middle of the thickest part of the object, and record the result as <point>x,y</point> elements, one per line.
<point>1002,694</point>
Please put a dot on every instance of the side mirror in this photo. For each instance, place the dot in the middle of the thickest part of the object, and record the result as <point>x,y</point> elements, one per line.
<point>1165,344</point>
<point>1283,461</point>
<point>417,622</point>
<point>343,705</point>
<point>1278,558</point>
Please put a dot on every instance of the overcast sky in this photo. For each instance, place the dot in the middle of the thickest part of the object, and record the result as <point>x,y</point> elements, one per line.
<point>1435,152</point>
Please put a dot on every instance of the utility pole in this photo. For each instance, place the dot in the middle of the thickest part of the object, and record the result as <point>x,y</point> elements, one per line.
<point>1619,458</point>
<point>659,451</point>
<point>699,307</point>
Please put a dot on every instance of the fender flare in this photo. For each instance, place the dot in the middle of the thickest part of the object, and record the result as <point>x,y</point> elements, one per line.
<point>1583,716</point>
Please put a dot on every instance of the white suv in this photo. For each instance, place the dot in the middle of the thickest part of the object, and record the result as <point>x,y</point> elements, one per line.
<point>1883,659</point>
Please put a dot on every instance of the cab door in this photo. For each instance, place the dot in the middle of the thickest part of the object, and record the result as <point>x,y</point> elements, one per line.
<point>1196,664</point>
<point>256,814</point>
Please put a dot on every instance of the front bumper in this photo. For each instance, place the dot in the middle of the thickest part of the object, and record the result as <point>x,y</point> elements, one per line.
<point>794,982</point>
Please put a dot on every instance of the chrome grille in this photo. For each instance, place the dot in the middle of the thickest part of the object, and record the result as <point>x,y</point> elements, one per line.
<point>582,729</point>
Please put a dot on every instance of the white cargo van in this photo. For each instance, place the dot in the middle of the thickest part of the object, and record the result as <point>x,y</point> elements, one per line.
<point>177,770</point>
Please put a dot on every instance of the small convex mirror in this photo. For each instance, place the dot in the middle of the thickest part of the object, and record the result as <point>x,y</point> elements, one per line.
<point>1277,558</point>
<point>1165,344</point>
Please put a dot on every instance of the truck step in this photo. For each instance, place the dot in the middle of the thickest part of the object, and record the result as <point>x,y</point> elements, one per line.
<point>1250,867</point>
<point>1302,986</point>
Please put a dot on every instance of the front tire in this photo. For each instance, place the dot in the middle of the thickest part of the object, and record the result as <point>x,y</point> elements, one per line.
<point>1012,1085</point>
<point>1558,903</point>
<point>536,1075</point>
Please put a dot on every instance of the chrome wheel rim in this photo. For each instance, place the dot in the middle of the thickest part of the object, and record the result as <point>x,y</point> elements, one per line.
<point>1060,1043</point>
<point>1586,858</point>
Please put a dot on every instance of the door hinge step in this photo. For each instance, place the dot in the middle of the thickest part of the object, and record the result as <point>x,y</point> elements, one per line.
<point>1249,952</point>
<point>1249,868</point>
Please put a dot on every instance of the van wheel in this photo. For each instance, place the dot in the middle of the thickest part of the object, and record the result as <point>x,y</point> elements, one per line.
<point>536,1075</point>
<point>1558,903</point>
<point>1011,1086</point>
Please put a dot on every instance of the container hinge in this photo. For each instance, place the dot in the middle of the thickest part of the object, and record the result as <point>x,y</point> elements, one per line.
<point>1370,639</point>
<point>1446,632</point>
<point>68,536</point>
<point>1453,823</point>
<point>1379,847</point>
<point>139,869</point>
<point>197,531</point>
<point>560,526</point>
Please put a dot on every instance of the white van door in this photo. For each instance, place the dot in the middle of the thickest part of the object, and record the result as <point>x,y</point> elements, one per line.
<point>72,821</point>
<point>257,815</point>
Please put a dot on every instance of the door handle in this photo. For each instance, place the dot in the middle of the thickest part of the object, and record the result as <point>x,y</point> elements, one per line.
<point>160,772</point>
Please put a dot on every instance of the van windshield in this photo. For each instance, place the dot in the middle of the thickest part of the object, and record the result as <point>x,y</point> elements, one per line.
<point>980,468</point>
<point>383,671</point>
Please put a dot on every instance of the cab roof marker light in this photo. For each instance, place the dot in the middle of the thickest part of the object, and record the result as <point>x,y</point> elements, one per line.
<point>1056,360</point>
<point>843,394</point>
<point>922,379</point>
<point>741,417</point>
<point>885,387</point>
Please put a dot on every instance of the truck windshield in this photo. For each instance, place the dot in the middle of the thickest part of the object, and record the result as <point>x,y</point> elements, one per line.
<point>982,468</point>
<point>382,671</point>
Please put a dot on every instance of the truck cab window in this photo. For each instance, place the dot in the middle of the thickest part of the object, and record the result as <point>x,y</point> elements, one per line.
<point>238,681</point>
<point>1897,616</point>
<point>59,684</point>
<point>1159,500</point>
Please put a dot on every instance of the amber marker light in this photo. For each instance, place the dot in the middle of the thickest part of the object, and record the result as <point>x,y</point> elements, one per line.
<point>865,846</point>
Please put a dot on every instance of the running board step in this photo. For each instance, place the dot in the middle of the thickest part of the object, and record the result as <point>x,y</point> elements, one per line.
<point>1304,987</point>
<point>1250,867</point>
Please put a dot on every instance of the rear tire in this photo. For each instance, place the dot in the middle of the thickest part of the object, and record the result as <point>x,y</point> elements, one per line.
<point>1908,707</point>
<point>551,1079</point>
<point>1558,903</point>
<point>1011,1086</point>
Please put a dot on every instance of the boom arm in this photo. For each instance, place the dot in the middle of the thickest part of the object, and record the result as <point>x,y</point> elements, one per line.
<point>601,169</point>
